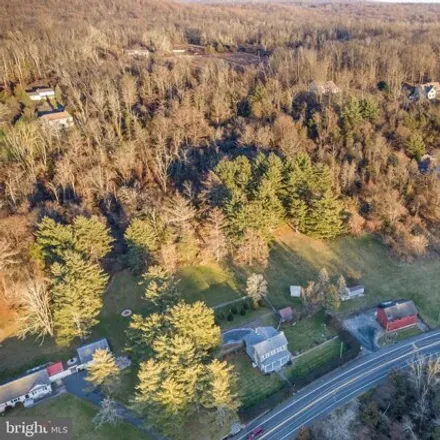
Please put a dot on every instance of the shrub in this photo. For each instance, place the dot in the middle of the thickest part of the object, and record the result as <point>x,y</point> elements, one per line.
<point>242,311</point>
<point>230,317</point>
<point>246,305</point>
<point>234,310</point>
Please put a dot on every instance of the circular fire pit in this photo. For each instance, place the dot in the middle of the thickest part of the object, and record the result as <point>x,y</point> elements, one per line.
<point>126,313</point>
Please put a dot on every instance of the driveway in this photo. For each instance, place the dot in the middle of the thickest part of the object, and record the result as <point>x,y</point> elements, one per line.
<point>364,327</point>
<point>235,336</point>
<point>79,387</point>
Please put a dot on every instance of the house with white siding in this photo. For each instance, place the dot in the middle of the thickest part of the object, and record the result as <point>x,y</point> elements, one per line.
<point>25,389</point>
<point>267,347</point>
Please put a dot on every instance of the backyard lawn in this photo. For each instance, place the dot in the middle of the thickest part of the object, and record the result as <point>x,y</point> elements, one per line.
<point>307,332</point>
<point>81,413</point>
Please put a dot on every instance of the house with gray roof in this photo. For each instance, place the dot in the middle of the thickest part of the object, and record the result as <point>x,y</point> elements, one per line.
<point>86,352</point>
<point>267,347</point>
<point>25,389</point>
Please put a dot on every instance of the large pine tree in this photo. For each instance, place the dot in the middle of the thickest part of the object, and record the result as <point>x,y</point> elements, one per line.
<point>324,217</point>
<point>78,286</point>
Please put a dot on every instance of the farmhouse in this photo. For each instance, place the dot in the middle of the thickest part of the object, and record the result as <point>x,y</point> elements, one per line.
<point>324,88</point>
<point>267,348</point>
<point>57,120</point>
<point>86,352</point>
<point>25,389</point>
<point>395,315</point>
<point>353,292</point>
<point>41,93</point>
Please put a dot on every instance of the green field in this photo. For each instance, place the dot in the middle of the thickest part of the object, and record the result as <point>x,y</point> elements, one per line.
<point>81,414</point>
<point>297,259</point>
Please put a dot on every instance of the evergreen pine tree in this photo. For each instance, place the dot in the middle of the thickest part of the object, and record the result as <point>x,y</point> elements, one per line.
<point>324,217</point>
<point>103,371</point>
<point>332,298</point>
<point>77,292</point>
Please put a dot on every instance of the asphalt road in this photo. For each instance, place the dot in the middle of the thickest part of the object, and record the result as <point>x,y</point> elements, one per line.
<point>339,387</point>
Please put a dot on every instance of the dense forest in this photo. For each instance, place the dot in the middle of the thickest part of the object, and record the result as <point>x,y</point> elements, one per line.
<point>200,151</point>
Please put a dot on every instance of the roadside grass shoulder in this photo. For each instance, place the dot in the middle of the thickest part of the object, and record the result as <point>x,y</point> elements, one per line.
<point>81,413</point>
<point>392,338</point>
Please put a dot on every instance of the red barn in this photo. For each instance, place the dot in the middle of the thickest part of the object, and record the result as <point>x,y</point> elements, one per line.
<point>395,315</point>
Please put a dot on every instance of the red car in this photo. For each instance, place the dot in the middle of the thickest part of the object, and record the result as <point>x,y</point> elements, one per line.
<point>255,433</point>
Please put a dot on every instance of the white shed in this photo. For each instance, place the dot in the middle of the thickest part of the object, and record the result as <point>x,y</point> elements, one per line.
<point>295,291</point>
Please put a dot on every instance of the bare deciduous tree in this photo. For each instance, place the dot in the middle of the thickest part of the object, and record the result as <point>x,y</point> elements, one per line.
<point>36,317</point>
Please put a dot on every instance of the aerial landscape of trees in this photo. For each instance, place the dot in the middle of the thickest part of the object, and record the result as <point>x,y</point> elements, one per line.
<point>178,160</point>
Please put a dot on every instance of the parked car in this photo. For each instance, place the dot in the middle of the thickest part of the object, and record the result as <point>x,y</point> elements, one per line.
<point>255,433</point>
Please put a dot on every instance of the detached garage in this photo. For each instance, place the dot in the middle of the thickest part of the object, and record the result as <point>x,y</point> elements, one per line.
<point>395,315</point>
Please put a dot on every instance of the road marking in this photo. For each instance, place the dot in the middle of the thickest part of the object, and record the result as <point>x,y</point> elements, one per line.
<point>340,400</point>
<point>305,408</point>
<point>344,373</point>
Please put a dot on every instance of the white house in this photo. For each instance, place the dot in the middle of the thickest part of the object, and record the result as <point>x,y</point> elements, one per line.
<point>57,120</point>
<point>429,91</point>
<point>267,348</point>
<point>41,93</point>
<point>25,389</point>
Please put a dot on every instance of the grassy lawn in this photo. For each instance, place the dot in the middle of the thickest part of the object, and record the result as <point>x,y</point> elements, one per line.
<point>81,414</point>
<point>314,360</point>
<point>307,333</point>
<point>297,259</point>
<point>211,283</point>
<point>397,336</point>
<point>253,386</point>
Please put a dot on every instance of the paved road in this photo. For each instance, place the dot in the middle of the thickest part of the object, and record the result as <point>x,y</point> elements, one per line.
<point>339,387</point>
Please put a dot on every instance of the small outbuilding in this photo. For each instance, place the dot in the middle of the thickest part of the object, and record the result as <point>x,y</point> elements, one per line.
<point>295,291</point>
<point>353,292</point>
<point>396,315</point>
<point>286,314</point>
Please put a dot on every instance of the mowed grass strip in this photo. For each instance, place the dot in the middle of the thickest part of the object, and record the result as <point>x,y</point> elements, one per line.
<point>253,386</point>
<point>81,413</point>
<point>314,360</point>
